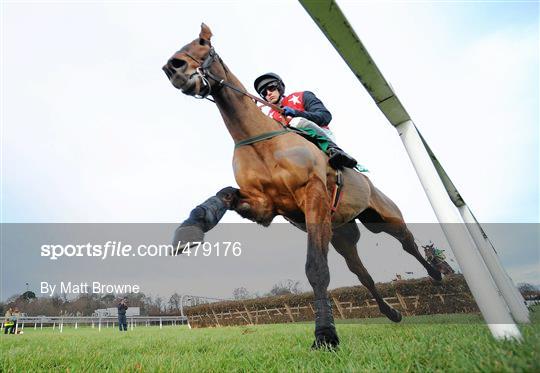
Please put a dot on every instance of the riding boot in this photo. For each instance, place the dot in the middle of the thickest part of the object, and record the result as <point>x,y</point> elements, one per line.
<point>338,158</point>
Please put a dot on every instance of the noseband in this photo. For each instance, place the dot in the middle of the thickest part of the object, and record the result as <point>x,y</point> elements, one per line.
<point>203,71</point>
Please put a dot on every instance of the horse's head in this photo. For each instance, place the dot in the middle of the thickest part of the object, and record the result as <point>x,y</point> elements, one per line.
<point>430,248</point>
<point>185,68</point>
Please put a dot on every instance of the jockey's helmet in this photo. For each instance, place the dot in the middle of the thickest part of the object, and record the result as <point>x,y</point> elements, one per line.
<point>265,80</point>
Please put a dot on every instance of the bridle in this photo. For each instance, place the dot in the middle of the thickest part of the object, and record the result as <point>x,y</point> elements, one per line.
<point>203,71</point>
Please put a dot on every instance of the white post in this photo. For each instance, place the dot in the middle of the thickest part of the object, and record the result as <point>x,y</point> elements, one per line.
<point>61,328</point>
<point>132,324</point>
<point>35,325</point>
<point>41,326</point>
<point>511,295</point>
<point>99,324</point>
<point>182,310</point>
<point>477,276</point>
<point>160,324</point>
<point>76,325</point>
<point>54,325</point>
<point>22,326</point>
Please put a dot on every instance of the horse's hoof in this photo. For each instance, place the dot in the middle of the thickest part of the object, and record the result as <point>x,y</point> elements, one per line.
<point>185,237</point>
<point>325,345</point>
<point>394,315</point>
<point>326,339</point>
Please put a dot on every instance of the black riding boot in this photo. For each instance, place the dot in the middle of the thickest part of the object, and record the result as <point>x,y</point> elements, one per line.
<point>338,158</point>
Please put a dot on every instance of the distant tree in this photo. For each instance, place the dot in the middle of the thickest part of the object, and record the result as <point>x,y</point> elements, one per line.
<point>85,304</point>
<point>286,287</point>
<point>109,299</point>
<point>195,301</point>
<point>525,287</point>
<point>28,295</point>
<point>158,302</point>
<point>148,303</point>
<point>529,291</point>
<point>137,300</point>
<point>241,293</point>
<point>57,303</point>
<point>174,302</point>
<point>11,300</point>
<point>41,306</point>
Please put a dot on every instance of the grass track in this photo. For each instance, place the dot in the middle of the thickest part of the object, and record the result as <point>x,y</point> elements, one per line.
<point>417,344</point>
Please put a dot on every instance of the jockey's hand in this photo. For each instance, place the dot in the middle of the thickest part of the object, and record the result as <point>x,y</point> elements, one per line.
<point>289,112</point>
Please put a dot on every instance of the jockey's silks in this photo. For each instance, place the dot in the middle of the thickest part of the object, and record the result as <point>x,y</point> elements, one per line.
<point>294,101</point>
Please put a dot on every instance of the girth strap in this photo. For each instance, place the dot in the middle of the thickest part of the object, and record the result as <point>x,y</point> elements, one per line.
<point>264,136</point>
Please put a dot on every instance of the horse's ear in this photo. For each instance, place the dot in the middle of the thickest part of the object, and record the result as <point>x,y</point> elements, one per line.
<point>205,33</point>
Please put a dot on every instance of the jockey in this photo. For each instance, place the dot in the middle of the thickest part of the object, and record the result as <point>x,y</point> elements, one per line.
<point>302,110</point>
<point>439,254</point>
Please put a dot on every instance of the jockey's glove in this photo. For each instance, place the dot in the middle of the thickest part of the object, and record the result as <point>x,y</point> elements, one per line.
<point>289,112</point>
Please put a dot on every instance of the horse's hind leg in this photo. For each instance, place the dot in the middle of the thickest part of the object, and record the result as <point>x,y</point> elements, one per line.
<point>383,215</point>
<point>344,241</point>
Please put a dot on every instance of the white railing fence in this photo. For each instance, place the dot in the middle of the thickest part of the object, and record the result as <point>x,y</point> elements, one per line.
<point>75,322</point>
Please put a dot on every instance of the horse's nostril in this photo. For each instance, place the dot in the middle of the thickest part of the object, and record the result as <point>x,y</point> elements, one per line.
<point>167,71</point>
<point>177,63</point>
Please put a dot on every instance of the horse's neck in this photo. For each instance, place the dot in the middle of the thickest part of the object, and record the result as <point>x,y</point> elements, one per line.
<point>241,115</point>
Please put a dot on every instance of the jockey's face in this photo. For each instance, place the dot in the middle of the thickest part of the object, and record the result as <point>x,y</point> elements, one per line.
<point>272,94</point>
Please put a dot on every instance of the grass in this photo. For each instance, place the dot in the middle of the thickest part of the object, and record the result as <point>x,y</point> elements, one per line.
<point>431,343</point>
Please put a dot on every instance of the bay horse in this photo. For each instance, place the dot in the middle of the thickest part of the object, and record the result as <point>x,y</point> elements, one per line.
<point>281,173</point>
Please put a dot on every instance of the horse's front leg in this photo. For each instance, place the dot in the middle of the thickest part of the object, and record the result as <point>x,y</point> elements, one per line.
<point>203,218</point>
<point>319,230</point>
<point>253,206</point>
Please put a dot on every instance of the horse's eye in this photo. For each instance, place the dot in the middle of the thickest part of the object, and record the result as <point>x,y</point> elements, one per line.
<point>203,42</point>
<point>177,63</point>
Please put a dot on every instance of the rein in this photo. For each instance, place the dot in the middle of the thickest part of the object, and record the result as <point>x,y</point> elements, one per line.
<point>204,73</point>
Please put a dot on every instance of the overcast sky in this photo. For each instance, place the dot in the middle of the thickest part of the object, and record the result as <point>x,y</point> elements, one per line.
<point>92,131</point>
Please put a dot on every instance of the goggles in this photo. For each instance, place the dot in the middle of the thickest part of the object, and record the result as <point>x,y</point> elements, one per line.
<point>269,88</point>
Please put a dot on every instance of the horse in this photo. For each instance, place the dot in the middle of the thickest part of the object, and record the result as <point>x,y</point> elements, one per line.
<point>281,173</point>
<point>438,262</point>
